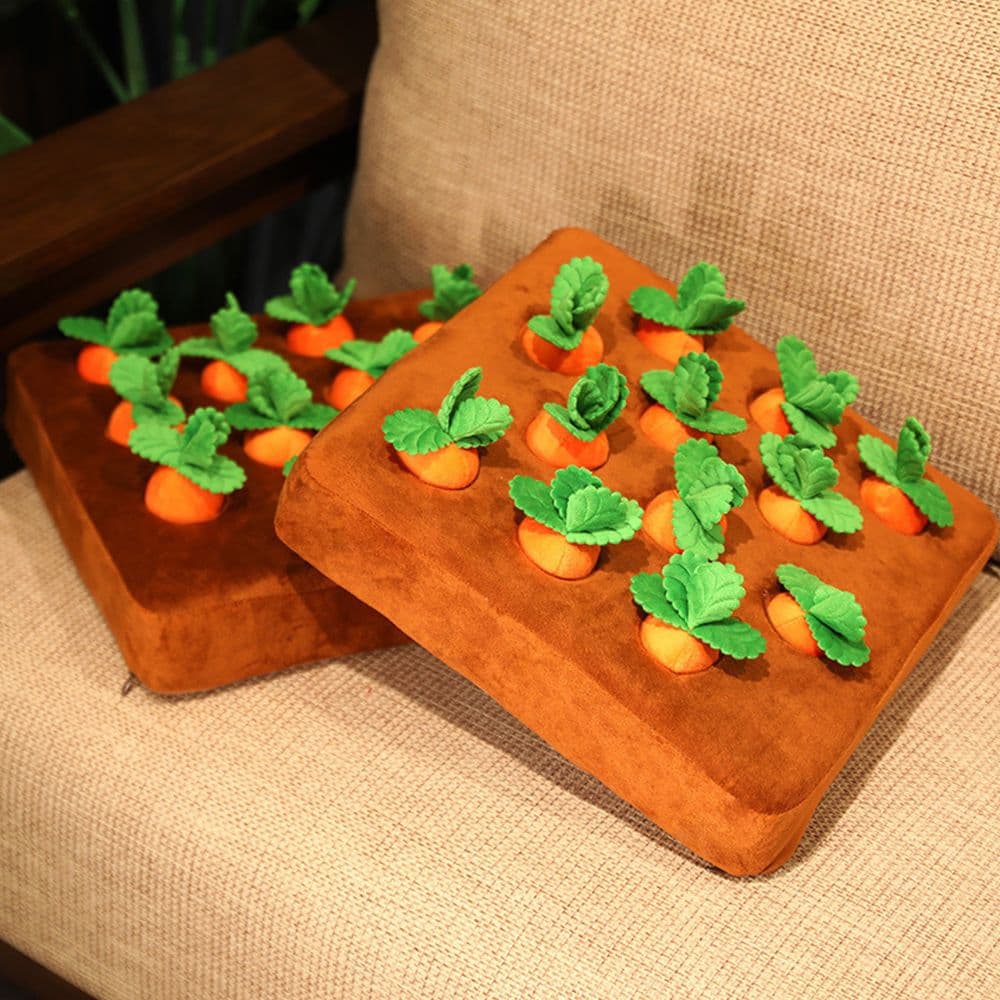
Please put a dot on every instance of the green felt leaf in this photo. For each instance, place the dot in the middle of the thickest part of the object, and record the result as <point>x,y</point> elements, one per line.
<point>807,428</point>
<point>287,467</point>
<point>417,432</point>
<point>313,417</point>
<point>838,610</point>
<point>931,500</point>
<point>799,582</point>
<point>284,308</point>
<point>131,302</point>
<point>649,593</point>
<point>697,382</point>
<point>478,422</point>
<point>814,403</point>
<point>714,590</point>
<point>134,324</point>
<point>548,329</point>
<point>835,511</point>
<point>713,490</point>
<point>797,467</point>
<point>732,638</point>
<point>167,367</point>
<point>656,305</point>
<point>714,421</point>
<point>374,357</point>
<point>134,378</point>
<point>596,515</point>
<point>202,436</point>
<point>659,386</point>
<point>846,652</point>
<point>820,401</point>
<point>845,383</point>
<point>688,461</point>
<point>912,451</point>
<point>314,297</point>
<point>594,402</point>
<point>534,499</point>
<point>155,442</point>
<point>692,535</point>
<point>86,328</point>
<point>702,302</point>
<point>278,393</point>
<point>233,330</point>
<point>796,364</point>
<point>578,292</point>
<point>566,482</point>
<point>879,457</point>
<point>245,417</point>
<point>464,387</point>
<point>256,361</point>
<point>453,290</point>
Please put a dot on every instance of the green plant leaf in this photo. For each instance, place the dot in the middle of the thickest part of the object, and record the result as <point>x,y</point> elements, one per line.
<point>714,590</point>
<point>568,481</point>
<point>796,365</point>
<point>283,308</point>
<point>131,302</point>
<point>287,467</point>
<point>85,328</point>
<point>594,402</point>
<point>659,386</point>
<point>596,515</point>
<point>835,647</point>
<point>578,292</point>
<point>234,330</point>
<point>548,329</point>
<point>912,451</point>
<point>835,511</point>
<point>797,467</point>
<point>167,366</point>
<point>714,421</point>
<point>278,393</point>
<point>205,432</point>
<point>879,457</point>
<point>134,324</point>
<point>838,610</point>
<point>464,387</point>
<point>134,378</point>
<point>656,305</point>
<point>732,638</point>
<point>453,291</point>
<point>417,432</point>
<point>648,592</point>
<point>255,361</point>
<point>702,302</point>
<point>478,422</point>
<point>799,582</point>
<point>696,385</point>
<point>807,428</point>
<point>844,383</point>
<point>814,403</point>
<point>533,498</point>
<point>155,442</point>
<point>374,357</point>
<point>245,417</point>
<point>821,401</point>
<point>692,535</point>
<point>316,296</point>
<point>313,417</point>
<point>931,500</point>
<point>689,459</point>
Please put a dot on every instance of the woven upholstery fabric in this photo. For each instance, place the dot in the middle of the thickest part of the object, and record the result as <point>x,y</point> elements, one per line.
<point>836,159</point>
<point>377,827</point>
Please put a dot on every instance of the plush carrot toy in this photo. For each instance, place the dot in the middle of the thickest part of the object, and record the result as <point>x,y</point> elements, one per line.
<point>817,619</point>
<point>144,386</point>
<point>442,448</point>
<point>689,607</point>
<point>808,404</point>
<point>672,327</point>
<point>279,416</point>
<point>453,290</point>
<point>568,520</point>
<point>315,308</point>
<point>899,493</point>
<point>565,341</point>
<point>684,401</point>
<point>233,355</point>
<point>133,326</point>
<point>574,434</point>
<point>365,361</point>
<point>692,517</point>
<point>801,505</point>
<point>193,479</point>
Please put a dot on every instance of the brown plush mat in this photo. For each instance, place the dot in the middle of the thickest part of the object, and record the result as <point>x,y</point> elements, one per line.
<point>198,606</point>
<point>731,761</point>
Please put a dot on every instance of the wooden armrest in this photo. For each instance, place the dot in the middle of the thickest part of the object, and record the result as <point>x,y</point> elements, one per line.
<point>117,197</point>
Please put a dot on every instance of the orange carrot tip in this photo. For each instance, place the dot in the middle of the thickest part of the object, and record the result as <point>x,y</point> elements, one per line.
<point>315,309</point>
<point>767,412</point>
<point>667,343</point>
<point>568,520</point>
<point>193,478</point>
<point>818,619</point>
<point>441,448</point>
<point>365,361</point>
<point>564,340</point>
<point>899,493</point>
<point>802,504</point>
<point>453,290</point>
<point>144,387</point>
<point>690,605</point>
<point>425,331</point>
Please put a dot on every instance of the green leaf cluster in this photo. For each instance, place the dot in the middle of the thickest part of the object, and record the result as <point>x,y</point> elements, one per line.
<point>698,596</point>
<point>277,397</point>
<point>807,475</point>
<point>146,384</point>
<point>374,357</point>
<point>834,616</point>
<point>579,506</point>
<point>234,333</point>
<point>193,452</point>
<point>133,326</point>
<point>314,299</point>
<point>903,467</point>
<point>578,292</point>
<point>594,403</point>
<point>453,290</point>
<point>689,391</point>
<point>814,404</point>
<point>700,308</point>
<point>463,419</point>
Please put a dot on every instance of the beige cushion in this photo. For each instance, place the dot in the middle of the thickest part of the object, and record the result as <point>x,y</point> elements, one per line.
<point>378,827</point>
<point>838,160</point>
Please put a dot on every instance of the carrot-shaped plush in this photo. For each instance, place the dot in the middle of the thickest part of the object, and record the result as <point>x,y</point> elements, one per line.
<point>898,493</point>
<point>453,290</point>
<point>568,520</point>
<point>683,403</point>
<point>279,416</point>
<point>817,619</point>
<point>802,505</point>
<point>364,361</point>
<point>315,308</point>
<point>672,327</point>
<point>442,448</point>
<point>193,479</point>
<point>133,326</point>
<point>692,517</point>
<point>574,434</point>
<point>234,358</point>
<point>807,404</point>
<point>144,387</point>
<point>564,341</point>
<point>689,608</point>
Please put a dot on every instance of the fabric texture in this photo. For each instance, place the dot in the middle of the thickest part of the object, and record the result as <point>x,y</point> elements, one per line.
<point>376,826</point>
<point>836,160</point>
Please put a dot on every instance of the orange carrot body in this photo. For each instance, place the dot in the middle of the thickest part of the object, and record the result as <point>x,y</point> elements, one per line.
<point>223,382</point>
<point>275,445</point>
<point>789,621</point>
<point>551,552</point>
<point>767,414</point>
<point>667,342</point>
<point>121,424</point>
<point>347,385</point>
<point>426,330</point>
<point>449,468</point>
<point>314,341</point>
<point>589,352</point>
<point>665,430</point>
<point>788,517</point>
<point>552,443</point>
<point>892,506</point>
<point>675,649</point>
<point>94,363</point>
<point>658,521</point>
<point>174,498</point>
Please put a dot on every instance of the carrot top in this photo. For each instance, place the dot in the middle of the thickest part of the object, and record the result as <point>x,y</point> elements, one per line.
<point>903,467</point>
<point>699,596</point>
<point>594,403</point>
<point>579,506</point>
<point>689,391</point>
<point>708,489</point>
<point>232,338</point>
<point>453,290</point>
<point>314,299</point>
<point>277,397</point>
<point>192,452</point>
<point>374,357</point>
<point>146,385</point>
<point>463,419</point>
<point>808,476</point>
<point>814,404</point>
<point>133,326</point>
<point>700,307</point>
<point>578,292</point>
<point>834,616</point>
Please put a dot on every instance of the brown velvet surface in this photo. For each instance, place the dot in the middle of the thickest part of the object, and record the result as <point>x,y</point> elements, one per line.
<point>198,606</point>
<point>731,761</point>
